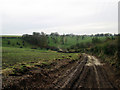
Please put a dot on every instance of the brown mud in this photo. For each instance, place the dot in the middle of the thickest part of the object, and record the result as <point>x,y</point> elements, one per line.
<point>87,72</point>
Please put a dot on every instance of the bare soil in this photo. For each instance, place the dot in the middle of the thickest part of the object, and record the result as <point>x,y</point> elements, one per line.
<point>87,72</point>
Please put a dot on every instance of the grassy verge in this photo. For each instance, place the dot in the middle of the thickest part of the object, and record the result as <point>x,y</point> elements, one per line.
<point>108,51</point>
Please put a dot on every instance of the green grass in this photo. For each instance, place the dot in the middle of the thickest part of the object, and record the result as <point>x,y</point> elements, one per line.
<point>16,59</point>
<point>13,43</point>
<point>71,41</point>
<point>10,36</point>
<point>13,56</point>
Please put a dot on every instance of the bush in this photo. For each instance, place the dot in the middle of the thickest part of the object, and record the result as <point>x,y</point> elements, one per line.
<point>109,49</point>
<point>96,40</point>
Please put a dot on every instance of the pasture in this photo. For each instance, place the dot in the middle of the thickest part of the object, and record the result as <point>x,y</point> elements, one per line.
<point>12,56</point>
<point>55,41</point>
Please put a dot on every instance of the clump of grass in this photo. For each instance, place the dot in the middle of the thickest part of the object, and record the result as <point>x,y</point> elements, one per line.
<point>20,70</point>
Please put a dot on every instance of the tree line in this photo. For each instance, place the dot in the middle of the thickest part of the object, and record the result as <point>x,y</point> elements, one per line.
<point>42,40</point>
<point>39,39</point>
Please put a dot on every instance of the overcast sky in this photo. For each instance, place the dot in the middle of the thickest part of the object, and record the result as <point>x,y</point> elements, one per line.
<point>19,17</point>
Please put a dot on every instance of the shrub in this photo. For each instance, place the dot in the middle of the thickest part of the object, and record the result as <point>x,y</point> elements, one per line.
<point>110,49</point>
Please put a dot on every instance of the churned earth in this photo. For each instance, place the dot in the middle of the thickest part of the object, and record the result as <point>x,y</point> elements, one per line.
<point>86,72</point>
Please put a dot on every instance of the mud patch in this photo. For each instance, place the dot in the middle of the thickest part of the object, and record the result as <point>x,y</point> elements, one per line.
<point>93,61</point>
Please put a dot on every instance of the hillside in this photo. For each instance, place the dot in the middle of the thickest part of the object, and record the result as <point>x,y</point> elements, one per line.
<point>66,61</point>
<point>59,41</point>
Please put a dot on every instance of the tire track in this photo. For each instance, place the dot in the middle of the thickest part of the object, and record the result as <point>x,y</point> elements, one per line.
<point>71,76</point>
<point>88,73</point>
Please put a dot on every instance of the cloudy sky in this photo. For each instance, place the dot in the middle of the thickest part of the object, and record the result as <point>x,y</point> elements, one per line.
<point>19,17</point>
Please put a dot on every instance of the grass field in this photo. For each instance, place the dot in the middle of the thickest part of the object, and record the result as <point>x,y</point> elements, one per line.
<point>14,41</point>
<point>71,41</point>
<point>10,36</point>
<point>12,56</point>
<point>15,53</point>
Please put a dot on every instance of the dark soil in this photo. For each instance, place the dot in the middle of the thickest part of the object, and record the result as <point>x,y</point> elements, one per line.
<point>65,74</point>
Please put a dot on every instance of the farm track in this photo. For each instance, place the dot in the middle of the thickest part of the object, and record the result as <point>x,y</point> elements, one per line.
<point>87,72</point>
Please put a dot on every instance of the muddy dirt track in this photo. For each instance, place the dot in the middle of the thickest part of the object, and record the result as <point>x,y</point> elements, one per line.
<point>88,73</point>
<point>85,73</point>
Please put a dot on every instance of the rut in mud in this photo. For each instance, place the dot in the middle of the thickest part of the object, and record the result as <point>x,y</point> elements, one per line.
<point>88,72</point>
